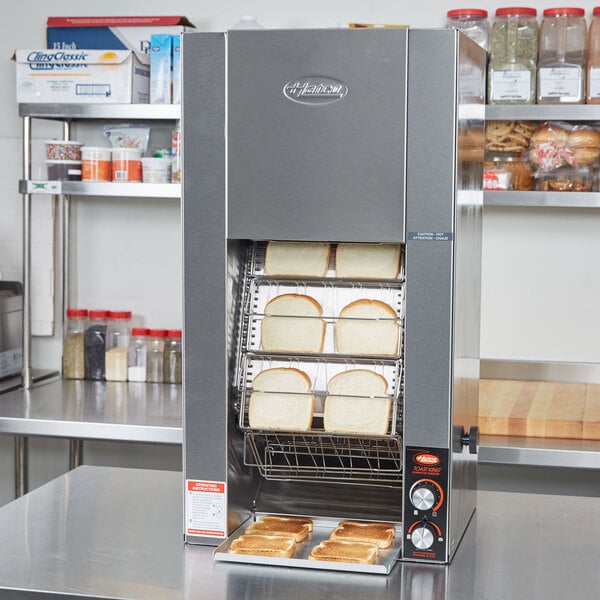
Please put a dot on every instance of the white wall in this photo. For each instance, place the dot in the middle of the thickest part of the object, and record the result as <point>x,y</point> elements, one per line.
<point>541,278</point>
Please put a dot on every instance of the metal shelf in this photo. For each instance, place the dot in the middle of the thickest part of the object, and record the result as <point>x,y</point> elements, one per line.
<point>542,199</point>
<point>539,452</point>
<point>543,112</point>
<point>117,411</point>
<point>102,188</point>
<point>166,112</point>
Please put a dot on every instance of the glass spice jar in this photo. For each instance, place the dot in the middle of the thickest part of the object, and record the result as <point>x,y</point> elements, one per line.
<point>155,357</point>
<point>512,67</point>
<point>94,345</point>
<point>73,347</point>
<point>117,345</point>
<point>137,354</point>
<point>172,357</point>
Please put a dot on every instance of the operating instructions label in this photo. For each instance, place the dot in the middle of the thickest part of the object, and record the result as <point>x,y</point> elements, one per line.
<point>206,508</point>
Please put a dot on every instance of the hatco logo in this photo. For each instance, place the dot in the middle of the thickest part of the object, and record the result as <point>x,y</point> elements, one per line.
<point>427,459</point>
<point>315,90</point>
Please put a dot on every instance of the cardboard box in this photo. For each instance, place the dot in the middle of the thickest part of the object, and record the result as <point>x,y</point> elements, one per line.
<point>82,76</point>
<point>110,33</point>
<point>161,45</point>
<point>176,69</point>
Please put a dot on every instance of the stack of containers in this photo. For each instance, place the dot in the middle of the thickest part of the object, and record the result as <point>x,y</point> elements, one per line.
<point>63,160</point>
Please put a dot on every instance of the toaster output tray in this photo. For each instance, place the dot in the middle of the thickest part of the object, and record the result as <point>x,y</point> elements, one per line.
<point>322,528</point>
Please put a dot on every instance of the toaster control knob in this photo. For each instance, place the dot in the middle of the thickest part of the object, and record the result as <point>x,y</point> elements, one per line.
<point>422,537</point>
<point>425,494</point>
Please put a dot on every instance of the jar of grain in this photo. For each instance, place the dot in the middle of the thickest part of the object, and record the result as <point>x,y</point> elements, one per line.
<point>155,358</point>
<point>172,357</point>
<point>513,56</point>
<point>117,345</point>
<point>94,345</point>
<point>137,355</point>
<point>75,325</point>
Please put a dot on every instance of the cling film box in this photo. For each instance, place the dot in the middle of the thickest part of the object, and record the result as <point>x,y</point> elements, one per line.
<point>111,33</point>
<point>82,76</point>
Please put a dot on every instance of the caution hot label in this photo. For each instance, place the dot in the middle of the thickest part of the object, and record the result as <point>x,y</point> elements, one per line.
<point>206,508</point>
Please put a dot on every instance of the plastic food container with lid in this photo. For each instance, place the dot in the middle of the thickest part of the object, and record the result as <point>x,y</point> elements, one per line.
<point>95,164</point>
<point>126,164</point>
<point>593,63</point>
<point>512,67</point>
<point>73,348</point>
<point>473,22</point>
<point>64,170</point>
<point>63,150</point>
<point>562,56</point>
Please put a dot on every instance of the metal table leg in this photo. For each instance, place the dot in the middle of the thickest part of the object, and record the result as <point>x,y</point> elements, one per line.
<point>75,453</point>
<point>21,465</point>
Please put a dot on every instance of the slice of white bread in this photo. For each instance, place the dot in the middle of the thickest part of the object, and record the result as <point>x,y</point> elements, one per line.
<point>367,327</point>
<point>349,407</point>
<point>275,519</point>
<point>264,545</point>
<point>367,261</point>
<point>351,552</point>
<point>292,410</point>
<point>299,531</point>
<point>292,323</point>
<point>298,259</point>
<point>380,534</point>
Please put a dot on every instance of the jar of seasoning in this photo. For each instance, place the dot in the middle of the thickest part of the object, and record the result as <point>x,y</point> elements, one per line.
<point>117,345</point>
<point>172,357</point>
<point>155,358</point>
<point>75,326</point>
<point>593,63</point>
<point>562,56</point>
<point>513,56</point>
<point>94,345</point>
<point>473,22</point>
<point>137,355</point>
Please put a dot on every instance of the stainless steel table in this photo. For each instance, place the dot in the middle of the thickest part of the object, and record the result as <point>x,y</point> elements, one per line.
<point>93,410</point>
<point>100,532</point>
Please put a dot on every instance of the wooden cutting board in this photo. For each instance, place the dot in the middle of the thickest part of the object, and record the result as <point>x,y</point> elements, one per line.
<point>539,409</point>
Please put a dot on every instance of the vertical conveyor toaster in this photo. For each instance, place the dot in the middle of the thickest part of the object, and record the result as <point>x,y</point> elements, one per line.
<point>343,138</point>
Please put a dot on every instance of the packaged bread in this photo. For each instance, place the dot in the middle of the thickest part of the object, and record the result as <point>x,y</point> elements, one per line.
<point>367,261</point>
<point>356,403</point>
<point>264,545</point>
<point>380,534</point>
<point>367,327</point>
<point>342,551</point>
<point>297,259</point>
<point>281,399</point>
<point>293,323</point>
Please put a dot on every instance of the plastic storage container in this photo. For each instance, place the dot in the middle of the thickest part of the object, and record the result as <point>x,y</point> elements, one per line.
<point>117,345</point>
<point>95,165</point>
<point>63,150</point>
<point>512,69</point>
<point>172,357</point>
<point>593,63</point>
<point>562,56</point>
<point>64,170</point>
<point>73,345</point>
<point>156,169</point>
<point>155,358</point>
<point>567,179</point>
<point>94,344</point>
<point>473,22</point>
<point>126,164</point>
<point>137,355</point>
<point>520,172</point>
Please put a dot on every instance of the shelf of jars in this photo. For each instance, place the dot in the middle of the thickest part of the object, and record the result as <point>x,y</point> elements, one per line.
<point>101,188</point>
<point>543,112</point>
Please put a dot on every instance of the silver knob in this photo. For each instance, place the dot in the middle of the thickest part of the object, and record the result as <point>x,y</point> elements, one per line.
<point>422,537</point>
<point>422,498</point>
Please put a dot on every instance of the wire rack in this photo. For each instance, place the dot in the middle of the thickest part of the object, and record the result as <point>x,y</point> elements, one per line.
<point>318,454</point>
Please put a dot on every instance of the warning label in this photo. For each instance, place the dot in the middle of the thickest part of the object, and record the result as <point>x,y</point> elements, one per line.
<point>206,508</point>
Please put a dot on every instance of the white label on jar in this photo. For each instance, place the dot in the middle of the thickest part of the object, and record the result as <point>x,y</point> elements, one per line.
<point>560,82</point>
<point>594,78</point>
<point>511,85</point>
<point>470,83</point>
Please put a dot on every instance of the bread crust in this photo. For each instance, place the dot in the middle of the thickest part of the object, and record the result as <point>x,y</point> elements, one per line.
<point>345,551</point>
<point>282,297</point>
<point>299,531</point>
<point>380,534</point>
<point>344,374</point>
<point>372,303</point>
<point>277,518</point>
<point>289,270</point>
<point>266,372</point>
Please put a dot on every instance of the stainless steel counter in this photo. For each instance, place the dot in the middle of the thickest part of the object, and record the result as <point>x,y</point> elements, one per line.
<point>131,412</point>
<point>101,532</point>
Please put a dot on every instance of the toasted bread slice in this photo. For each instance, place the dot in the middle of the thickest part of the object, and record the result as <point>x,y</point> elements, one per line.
<point>299,531</point>
<point>264,545</point>
<point>380,534</point>
<point>340,551</point>
<point>285,519</point>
